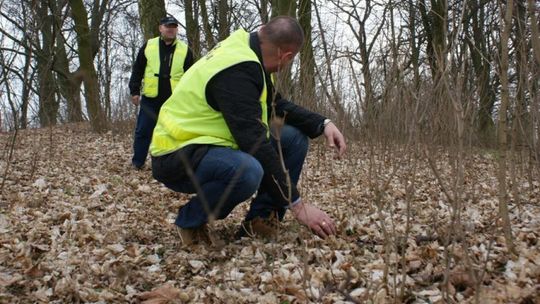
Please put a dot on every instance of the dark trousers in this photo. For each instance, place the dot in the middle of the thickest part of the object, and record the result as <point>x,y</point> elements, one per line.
<point>146,121</point>
<point>227,177</point>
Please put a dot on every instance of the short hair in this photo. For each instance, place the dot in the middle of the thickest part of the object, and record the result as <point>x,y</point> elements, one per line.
<point>283,31</point>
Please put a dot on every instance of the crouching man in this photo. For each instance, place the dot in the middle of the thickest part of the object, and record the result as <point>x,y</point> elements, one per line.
<point>214,137</point>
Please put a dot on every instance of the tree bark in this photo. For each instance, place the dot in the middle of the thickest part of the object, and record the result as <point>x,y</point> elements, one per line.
<point>48,106</point>
<point>435,22</point>
<point>481,59</point>
<point>86,58</point>
<point>521,122</point>
<point>192,27</point>
<point>307,62</point>
<point>506,22</point>
<point>151,11</point>
<point>210,41</point>
<point>284,8</point>
<point>223,19</point>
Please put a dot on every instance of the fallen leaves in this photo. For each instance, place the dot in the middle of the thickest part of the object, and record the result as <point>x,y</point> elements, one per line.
<point>77,224</point>
<point>166,294</point>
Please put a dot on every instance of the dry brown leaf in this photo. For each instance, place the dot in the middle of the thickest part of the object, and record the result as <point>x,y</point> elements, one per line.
<point>166,294</point>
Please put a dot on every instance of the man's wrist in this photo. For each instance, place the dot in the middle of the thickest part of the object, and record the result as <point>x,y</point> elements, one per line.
<point>296,206</point>
<point>296,202</point>
<point>325,123</point>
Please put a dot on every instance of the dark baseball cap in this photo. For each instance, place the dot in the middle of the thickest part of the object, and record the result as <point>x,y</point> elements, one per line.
<point>168,20</point>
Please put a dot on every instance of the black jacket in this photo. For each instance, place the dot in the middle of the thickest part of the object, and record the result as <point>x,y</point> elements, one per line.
<point>164,87</point>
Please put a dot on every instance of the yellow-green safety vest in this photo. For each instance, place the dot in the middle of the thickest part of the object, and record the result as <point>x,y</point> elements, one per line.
<point>151,72</point>
<point>186,117</point>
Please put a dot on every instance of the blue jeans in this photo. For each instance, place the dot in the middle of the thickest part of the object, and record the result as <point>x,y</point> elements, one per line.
<point>146,121</point>
<point>226,177</point>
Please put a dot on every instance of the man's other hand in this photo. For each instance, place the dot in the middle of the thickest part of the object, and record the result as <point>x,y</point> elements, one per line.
<point>136,100</point>
<point>317,220</point>
<point>335,139</point>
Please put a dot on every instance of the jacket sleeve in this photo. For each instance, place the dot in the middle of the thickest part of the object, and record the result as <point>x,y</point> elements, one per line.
<point>235,93</point>
<point>137,73</point>
<point>188,62</point>
<point>310,123</point>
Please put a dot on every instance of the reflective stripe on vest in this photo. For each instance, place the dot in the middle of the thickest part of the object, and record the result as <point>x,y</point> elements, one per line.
<point>151,72</point>
<point>186,117</point>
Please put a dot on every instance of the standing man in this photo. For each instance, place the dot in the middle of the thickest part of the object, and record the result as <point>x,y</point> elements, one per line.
<point>160,64</point>
<point>215,137</point>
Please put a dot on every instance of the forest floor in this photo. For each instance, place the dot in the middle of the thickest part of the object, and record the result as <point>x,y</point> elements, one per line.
<point>78,224</point>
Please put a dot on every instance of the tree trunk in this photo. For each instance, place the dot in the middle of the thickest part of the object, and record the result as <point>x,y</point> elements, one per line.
<point>68,83</point>
<point>434,22</point>
<point>192,27</point>
<point>284,8</point>
<point>307,62</point>
<point>415,48</point>
<point>86,58</point>
<point>27,84</point>
<point>502,127</point>
<point>481,59</point>
<point>521,122</point>
<point>263,12</point>
<point>210,41</point>
<point>223,19</point>
<point>151,11</point>
<point>48,106</point>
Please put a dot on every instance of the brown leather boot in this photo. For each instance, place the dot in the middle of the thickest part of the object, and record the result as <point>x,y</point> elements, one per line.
<point>267,228</point>
<point>202,234</point>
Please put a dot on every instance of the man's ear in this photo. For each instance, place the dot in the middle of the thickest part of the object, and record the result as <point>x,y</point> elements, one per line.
<point>288,56</point>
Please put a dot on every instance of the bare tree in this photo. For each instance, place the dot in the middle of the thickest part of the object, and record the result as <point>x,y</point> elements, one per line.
<point>358,19</point>
<point>151,11</point>
<point>307,62</point>
<point>481,53</point>
<point>223,19</point>
<point>192,26</point>
<point>87,41</point>
<point>506,20</point>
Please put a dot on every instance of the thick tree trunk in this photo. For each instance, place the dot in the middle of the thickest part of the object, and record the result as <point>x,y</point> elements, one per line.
<point>192,27</point>
<point>284,8</point>
<point>68,83</point>
<point>151,11</point>
<point>263,11</point>
<point>48,106</point>
<point>521,122</point>
<point>307,62</point>
<point>223,19</point>
<point>210,41</point>
<point>435,22</point>
<point>481,58</point>
<point>86,58</point>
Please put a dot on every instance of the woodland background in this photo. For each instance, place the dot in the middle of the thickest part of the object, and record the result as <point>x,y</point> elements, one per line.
<point>437,200</point>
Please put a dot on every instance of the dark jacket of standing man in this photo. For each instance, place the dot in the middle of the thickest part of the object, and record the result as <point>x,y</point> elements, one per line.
<point>160,64</point>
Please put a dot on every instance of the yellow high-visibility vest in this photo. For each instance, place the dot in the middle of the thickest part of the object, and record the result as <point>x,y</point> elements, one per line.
<point>151,72</point>
<point>186,117</point>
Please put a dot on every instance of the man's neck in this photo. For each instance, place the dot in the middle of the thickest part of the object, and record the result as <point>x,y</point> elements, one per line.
<point>167,41</point>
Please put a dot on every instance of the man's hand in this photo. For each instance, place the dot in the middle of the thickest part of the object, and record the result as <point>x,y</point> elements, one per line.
<point>334,138</point>
<point>317,220</point>
<point>136,100</point>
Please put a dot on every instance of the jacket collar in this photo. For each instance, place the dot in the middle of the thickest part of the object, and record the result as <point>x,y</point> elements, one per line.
<point>255,45</point>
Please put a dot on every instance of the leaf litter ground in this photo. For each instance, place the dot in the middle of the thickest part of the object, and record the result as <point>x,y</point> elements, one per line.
<point>77,224</point>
